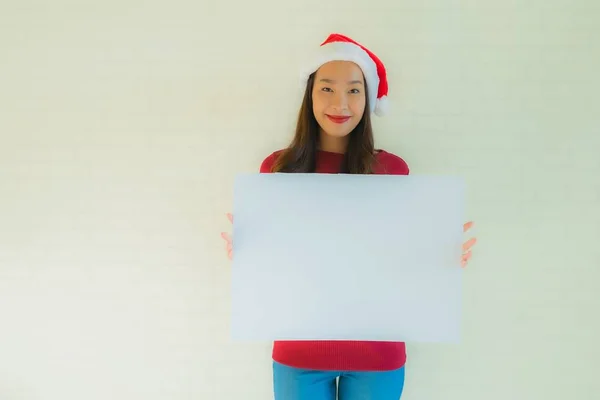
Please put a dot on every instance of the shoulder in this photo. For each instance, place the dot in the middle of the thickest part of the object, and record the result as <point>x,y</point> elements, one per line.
<point>268,162</point>
<point>391,164</point>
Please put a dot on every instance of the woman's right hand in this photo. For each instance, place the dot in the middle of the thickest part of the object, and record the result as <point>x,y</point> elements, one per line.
<point>228,240</point>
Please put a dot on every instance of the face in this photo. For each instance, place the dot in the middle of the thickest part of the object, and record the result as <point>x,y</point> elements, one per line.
<point>339,97</point>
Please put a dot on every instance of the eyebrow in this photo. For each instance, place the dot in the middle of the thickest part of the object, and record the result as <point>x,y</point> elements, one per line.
<point>350,82</point>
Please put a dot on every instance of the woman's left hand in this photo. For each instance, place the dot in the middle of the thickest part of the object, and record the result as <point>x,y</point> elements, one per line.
<point>467,245</point>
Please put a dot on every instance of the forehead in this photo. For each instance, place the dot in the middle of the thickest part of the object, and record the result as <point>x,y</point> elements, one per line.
<point>339,70</point>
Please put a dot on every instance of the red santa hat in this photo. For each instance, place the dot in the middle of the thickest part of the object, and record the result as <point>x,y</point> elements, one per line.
<point>338,47</point>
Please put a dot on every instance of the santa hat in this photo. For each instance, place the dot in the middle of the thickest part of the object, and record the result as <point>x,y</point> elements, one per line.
<point>341,48</point>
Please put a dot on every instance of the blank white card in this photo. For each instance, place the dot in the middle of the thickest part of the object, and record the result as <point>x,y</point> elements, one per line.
<point>347,257</point>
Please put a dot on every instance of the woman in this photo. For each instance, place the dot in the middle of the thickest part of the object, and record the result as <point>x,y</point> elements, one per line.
<point>344,85</point>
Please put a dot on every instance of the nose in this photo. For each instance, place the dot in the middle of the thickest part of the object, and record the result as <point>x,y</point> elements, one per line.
<point>340,101</point>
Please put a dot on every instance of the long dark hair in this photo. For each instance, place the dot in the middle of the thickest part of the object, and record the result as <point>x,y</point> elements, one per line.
<point>301,154</point>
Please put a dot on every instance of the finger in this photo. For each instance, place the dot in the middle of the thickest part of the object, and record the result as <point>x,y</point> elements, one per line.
<point>467,226</point>
<point>467,245</point>
<point>230,255</point>
<point>229,247</point>
<point>230,217</point>
<point>467,256</point>
<point>226,236</point>
<point>463,264</point>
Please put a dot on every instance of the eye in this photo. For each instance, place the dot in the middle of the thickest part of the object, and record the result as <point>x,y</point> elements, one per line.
<point>355,91</point>
<point>326,89</point>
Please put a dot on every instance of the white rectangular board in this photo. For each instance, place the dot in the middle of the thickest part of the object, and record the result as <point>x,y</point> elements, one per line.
<point>347,257</point>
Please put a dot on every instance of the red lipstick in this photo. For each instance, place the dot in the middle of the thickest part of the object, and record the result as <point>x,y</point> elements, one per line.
<point>338,119</point>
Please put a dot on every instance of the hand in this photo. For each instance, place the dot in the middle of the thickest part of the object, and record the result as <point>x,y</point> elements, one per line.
<point>228,239</point>
<point>467,245</point>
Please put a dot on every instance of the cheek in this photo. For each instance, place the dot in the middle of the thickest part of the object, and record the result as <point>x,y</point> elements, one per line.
<point>316,103</point>
<point>358,106</point>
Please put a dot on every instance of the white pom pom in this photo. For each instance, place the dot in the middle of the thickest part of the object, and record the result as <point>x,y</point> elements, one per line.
<point>382,106</point>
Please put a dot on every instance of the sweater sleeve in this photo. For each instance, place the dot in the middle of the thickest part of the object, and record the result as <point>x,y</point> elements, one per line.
<point>395,165</point>
<point>267,164</point>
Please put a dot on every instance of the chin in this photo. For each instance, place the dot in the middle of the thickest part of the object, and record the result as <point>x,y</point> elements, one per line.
<point>340,131</point>
<point>337,130</point>
<point>337,133</point>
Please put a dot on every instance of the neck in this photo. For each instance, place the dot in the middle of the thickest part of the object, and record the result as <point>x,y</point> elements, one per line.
<point>332,144</point>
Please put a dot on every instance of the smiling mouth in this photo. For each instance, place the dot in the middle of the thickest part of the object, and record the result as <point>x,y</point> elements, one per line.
<point>338,119</point>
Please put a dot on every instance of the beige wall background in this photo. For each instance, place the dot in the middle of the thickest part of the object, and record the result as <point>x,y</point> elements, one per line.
<point>122,125</point>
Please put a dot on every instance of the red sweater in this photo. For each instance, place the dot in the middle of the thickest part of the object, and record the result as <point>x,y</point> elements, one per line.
<point>342,355</point>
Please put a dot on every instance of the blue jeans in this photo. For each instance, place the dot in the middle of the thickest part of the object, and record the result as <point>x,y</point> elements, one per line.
<point>300,384</point>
